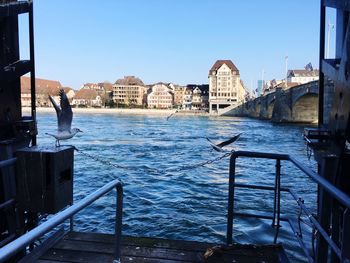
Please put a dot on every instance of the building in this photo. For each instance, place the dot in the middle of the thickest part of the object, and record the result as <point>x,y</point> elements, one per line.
<point>43,89</point>
<point>187,99</point>
<point>160,97</point>
<point>87,98</point>
<point>200,96</point>
<point>302,76</point>
<point>225,86</point>
<point>129,91</point>
<point>259,90</point>
<point>93,86</point>
<point>179,92</point>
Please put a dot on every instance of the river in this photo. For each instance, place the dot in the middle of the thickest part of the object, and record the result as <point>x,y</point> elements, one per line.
<point>190,204</point>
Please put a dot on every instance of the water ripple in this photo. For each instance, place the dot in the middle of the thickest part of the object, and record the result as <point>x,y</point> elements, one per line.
<point>189,204</point>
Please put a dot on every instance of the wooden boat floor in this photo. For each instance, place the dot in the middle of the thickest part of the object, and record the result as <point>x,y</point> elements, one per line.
<point>94,247</point>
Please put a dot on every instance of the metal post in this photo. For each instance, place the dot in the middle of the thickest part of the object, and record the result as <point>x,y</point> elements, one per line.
<point>230,205</point>
<point>71,221</point>
<point>345,250</point>
<point>321,55</point>
<point>118,222</point>
<point>277,200</point>
<point>274,200</point>
<point>278,175</point>
<point>32,71</point>
<point>328,172</point>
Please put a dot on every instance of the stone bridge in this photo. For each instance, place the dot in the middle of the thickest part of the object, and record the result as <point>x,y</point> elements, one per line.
<point>296,104</point>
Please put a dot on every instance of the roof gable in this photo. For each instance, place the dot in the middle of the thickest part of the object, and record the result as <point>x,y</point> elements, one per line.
<point>219,63</point>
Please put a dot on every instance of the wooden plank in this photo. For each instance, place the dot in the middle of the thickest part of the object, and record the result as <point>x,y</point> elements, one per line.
<point>133,251</point>
<point>61,255</point>
<point>149,250</point>
<point>50,261</point>
<point>139,241</point>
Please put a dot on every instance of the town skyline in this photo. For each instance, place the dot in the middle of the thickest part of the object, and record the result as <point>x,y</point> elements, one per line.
<point>173,42</point>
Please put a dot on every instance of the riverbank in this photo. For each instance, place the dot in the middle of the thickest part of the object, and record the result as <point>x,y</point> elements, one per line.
<point>160,112</point>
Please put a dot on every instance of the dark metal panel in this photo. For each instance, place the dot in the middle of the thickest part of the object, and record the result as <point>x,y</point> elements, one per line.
<point>330,67</point>
<point>10,92</point>
<point>339,4</point>
<point>15,70</point>
<point>13,9</point>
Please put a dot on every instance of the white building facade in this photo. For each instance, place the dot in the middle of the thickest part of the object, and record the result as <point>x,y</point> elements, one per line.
<point>225,86</point>
<point>160,97</point>
<point>301,76</point>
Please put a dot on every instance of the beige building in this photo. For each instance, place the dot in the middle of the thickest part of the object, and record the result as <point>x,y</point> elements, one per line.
<point>87,98</point>
<point>179,93</point>
<point>129,91</point>
<point>225,86</point>
<point>160,97</point>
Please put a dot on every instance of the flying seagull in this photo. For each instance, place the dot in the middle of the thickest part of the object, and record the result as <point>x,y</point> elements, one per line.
<point>167,118</point>
<point>218,147</point>
<point>64,119</point>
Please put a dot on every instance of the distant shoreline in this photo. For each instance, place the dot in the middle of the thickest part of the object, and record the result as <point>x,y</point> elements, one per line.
<point>159,112</point>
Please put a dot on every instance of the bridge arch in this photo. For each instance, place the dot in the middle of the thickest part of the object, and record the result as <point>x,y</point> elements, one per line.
<point>305,108</point>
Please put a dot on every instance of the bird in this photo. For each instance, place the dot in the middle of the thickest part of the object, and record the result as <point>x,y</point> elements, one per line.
<point>167,118</point>
<point>64,119</point>
<point>218,147</point>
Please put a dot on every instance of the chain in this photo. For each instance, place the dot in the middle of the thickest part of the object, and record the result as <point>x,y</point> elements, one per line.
<point>133,168</point>
<point>105,162</point>
<point>202,164</point>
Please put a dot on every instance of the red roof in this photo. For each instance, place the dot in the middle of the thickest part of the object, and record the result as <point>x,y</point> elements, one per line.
<point>42,86</point>
<point>87,94</point>
<point>219,63</point>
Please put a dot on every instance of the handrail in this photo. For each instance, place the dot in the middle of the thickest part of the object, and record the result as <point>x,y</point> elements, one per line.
<point>323,183</point>
<point>7,162</point>
<point>20,243</point>
<point>329,187</point>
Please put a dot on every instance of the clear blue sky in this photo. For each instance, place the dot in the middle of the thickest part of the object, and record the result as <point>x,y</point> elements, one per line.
<point>171,40</point>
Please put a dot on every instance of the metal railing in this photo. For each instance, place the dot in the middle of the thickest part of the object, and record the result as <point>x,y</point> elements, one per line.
<point>333,191</point>
<point>23,241</point>
<point>7,203</point>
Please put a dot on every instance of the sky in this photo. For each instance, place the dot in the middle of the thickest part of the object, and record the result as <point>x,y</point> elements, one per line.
<point>174,41</point>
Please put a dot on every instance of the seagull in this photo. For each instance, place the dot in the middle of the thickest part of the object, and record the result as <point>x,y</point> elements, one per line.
<point>167,118</point>
<point>218,147</point>
<point>64,119</point>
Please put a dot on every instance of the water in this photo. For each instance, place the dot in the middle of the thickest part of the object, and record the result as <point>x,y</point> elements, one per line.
<point>189,204</point>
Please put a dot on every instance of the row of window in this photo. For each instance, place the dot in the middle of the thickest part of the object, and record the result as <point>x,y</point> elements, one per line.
<point>224,94</point>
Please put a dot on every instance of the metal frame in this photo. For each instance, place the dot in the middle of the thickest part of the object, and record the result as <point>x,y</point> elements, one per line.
<point>333,191</point>
<point>22,242</point>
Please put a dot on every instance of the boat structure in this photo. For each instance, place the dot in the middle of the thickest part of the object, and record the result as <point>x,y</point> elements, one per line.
<point>37,181</point>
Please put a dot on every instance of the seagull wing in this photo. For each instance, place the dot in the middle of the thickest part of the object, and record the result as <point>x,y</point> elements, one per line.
<point>66,114</point>
<point>167,118</point>
<point>233,139</point>
<point>57,108</point>
<point>215,147</point>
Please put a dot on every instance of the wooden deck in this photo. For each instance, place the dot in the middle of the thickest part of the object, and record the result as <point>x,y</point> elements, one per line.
<point>92,247</point>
